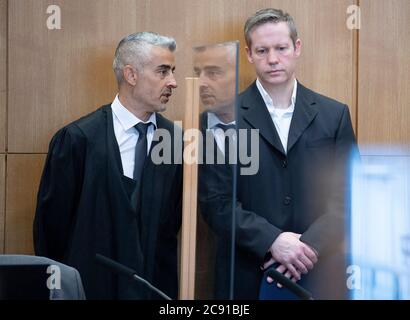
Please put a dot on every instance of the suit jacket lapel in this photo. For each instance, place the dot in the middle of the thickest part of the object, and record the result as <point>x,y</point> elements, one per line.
<point>257,115</point>
<point>305,112</point>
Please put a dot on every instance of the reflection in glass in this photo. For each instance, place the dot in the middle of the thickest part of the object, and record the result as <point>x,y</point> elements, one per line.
<point>216,68</point>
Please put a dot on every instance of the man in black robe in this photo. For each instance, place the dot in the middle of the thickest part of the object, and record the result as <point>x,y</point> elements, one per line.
<point>100,194</point>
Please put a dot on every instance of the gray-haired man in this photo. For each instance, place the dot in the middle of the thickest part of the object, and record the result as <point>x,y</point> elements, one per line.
<point>100,191</point>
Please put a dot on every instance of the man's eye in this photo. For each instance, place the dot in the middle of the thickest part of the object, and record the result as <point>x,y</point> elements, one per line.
<point>261,51</point>
<point>213,74</point>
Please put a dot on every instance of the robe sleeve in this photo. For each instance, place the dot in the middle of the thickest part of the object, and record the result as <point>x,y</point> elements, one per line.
<point>59,193</point>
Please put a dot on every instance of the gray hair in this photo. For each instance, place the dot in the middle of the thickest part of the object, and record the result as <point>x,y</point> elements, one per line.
<point>269,15</point>
<point>134,50</point>
<point>231,47</point>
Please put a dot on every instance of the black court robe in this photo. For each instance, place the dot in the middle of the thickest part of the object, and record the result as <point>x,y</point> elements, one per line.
<point>86,206</point>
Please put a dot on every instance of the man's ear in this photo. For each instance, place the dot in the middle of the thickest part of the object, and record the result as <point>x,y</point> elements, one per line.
<point>249,54</point>
<point>298,47</point>
<point>130,75</point>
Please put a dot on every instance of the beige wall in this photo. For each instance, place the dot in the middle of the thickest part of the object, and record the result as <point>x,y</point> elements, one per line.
<point>384,73</point>
<point>23,176</point>
<point>3,73</point>
<point>59,75</point>
<point>3,95</point>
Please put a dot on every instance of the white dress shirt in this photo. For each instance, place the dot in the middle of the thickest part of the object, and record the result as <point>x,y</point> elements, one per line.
<point>218,133</point>
<point>280,117</point>
<point>127,136</point>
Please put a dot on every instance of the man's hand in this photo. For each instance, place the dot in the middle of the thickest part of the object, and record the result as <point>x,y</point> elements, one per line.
<point>295,257</point>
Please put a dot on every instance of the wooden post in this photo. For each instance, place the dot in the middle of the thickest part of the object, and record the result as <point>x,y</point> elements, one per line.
<point>190,188</point>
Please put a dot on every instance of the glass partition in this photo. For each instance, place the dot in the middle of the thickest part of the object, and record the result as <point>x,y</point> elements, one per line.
<point>215,66</point>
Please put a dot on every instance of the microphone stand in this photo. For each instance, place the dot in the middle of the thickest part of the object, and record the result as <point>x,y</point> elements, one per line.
<point>298,290</point>
<point>127,272</point>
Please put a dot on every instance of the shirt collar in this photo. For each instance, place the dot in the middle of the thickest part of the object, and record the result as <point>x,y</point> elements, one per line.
<point>213,121</point>
<point>126,118</point>
<point>268,100</point>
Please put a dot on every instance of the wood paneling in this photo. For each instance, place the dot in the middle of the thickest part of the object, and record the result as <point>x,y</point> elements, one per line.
<point>23,177</point>
<point>2,198</point>
<point>384,74</point>
<point>327,62</point>
<point>3,73</point>
<point>57,76</point>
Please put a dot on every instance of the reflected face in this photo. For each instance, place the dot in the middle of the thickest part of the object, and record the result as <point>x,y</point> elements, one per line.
<point>156,81</point>
<point>273,53</point>
<point>216,69</point>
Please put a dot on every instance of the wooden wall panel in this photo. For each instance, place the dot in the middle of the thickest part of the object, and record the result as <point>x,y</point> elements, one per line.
<point>327,64</point>
<point>23,176</point>
<point>384,74</point>
<point>59,75</point>
<point>2,198</point>
<point>3,73</point>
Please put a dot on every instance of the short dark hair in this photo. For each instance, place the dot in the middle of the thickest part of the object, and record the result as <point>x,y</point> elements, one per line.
<point>269,15</point>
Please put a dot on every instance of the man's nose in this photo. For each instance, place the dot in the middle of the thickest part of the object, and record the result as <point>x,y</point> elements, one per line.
<point>272,57</point>
<point>202,80</point>
<point>172,82</point>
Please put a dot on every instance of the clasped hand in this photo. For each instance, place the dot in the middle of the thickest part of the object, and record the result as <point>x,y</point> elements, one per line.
<point>295,257</point>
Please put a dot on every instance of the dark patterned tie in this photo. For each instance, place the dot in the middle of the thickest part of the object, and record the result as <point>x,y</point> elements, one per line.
<point>140,149</point>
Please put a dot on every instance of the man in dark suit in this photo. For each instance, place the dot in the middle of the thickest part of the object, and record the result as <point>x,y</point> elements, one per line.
<point>290,214</point>
<point>102,191</point>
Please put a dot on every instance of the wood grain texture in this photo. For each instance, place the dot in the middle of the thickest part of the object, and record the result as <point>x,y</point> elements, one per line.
<point>190,193</point>
<point>2,199</point>
<point>56,76</point>
<point>59,75</point>
<point>3,73</point>
<point>23,177</point>
<point>384,75</point>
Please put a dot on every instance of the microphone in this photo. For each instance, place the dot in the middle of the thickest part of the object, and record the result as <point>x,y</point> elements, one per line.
<point>127,272</point>
<point>298,290</point>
